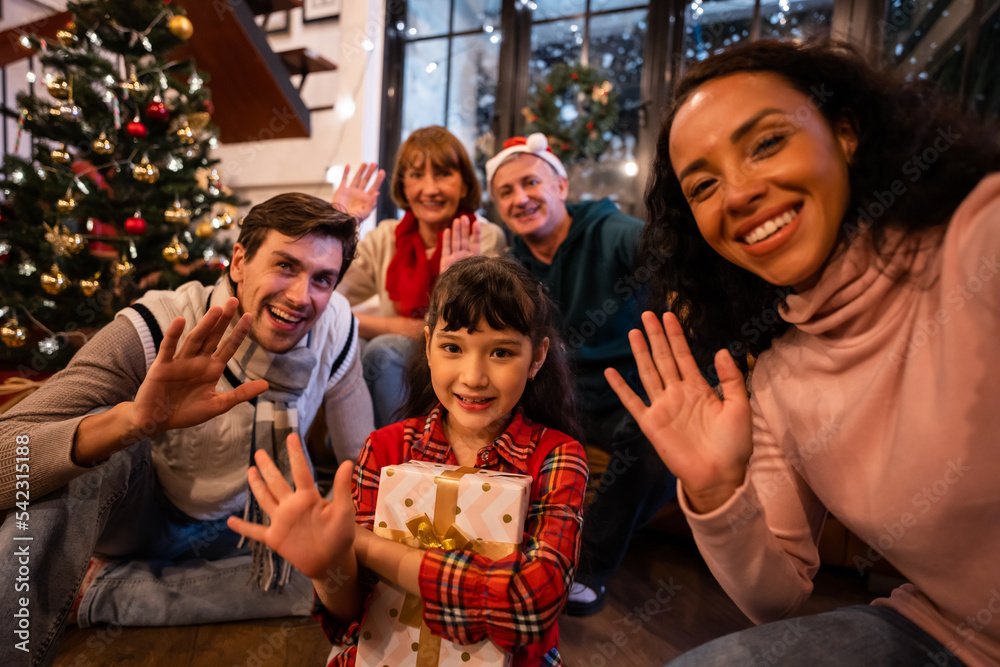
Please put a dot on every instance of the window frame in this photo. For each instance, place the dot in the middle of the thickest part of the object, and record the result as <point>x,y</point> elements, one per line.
<point>859,22</point>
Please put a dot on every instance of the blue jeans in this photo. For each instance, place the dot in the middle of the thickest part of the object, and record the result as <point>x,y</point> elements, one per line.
<point>178,571</point>
<point>633,488</point>
<point>383,361</point>
<point>858,635</point>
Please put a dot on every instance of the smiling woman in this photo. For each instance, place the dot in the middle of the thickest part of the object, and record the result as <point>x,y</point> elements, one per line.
<point>818,223</point>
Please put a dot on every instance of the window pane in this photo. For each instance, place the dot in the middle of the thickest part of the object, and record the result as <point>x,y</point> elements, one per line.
<point>928,40</point>
<point>424,19</point>
<point>603,5</point>
<point>617,42</point>
<point>425,74</point>
<point>911,26</point>
<point>554,42</point>
<point>475,65</point>
<point>986,68</point>
<point>476,14</point>
<point>712,25</point>
<point>795,18</point>
<point>551,9</point>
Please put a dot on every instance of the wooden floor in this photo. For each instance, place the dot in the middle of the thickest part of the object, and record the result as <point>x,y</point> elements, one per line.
<point>663,602</point>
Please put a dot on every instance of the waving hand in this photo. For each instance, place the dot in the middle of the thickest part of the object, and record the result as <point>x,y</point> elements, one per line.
<point>352,197</point>
<point>314,535</point>
<point>705,441</point>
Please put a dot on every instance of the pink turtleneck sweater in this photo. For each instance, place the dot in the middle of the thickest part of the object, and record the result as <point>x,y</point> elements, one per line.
<point>881,405</point>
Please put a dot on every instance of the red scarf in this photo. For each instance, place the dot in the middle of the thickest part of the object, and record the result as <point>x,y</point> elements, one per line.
<point>411,274</point>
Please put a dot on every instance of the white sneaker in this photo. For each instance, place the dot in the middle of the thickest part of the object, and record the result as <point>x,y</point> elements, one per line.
<point>584,600</point>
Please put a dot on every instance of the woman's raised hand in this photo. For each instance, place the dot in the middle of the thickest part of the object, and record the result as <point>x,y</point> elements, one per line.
<point>704,441</point>
<point>359,196</point>
<point>464,239</point>
<point>314,535</point>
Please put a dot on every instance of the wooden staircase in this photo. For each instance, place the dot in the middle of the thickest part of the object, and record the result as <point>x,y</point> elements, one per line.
<point>254,97</point>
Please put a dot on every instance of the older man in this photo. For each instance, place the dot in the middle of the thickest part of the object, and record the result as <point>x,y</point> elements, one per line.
<point>584,254</point>
<point>138,450</point>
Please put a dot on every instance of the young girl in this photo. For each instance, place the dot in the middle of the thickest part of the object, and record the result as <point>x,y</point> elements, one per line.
<point>492,371</point>
<point>845,228</point>
<point>434,181</point>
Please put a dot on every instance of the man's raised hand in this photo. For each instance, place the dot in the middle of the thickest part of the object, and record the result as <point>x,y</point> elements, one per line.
<point>180,388</point>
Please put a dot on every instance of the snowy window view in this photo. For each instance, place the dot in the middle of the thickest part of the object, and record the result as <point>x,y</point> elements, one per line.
<point>929,40</point>
<point>613,43</point>
<point>451,65</point>
<point>712,25</point>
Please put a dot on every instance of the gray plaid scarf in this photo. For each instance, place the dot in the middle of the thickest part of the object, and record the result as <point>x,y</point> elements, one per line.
<point>275,418</point>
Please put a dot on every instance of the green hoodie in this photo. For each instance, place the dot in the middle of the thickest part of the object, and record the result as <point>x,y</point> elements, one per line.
<point>597,290</point>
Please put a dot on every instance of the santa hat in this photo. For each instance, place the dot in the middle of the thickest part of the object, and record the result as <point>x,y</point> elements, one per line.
<point>536,144</point>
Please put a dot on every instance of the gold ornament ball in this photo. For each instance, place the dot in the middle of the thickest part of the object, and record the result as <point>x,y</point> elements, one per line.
<point>204,230</point>
<point>66,204</point>
<point>175,252</point>
<point>60,156</point>
<point>13,334</point>
<point>181,26</point>
<point>123,267</point>
<point>146,172</point>
<point>186,135</point>
<point>55,281</point>
<point>74,243</point>
<point>58,88</point>
<point>90,286</point>
<point>102,146</point>
<point>223,221</point>
<point>67,36</point>
<point>177,214</point>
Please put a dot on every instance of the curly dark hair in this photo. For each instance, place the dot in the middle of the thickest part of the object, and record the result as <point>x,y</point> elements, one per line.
<point>721,305</point>
<point>502,294</point>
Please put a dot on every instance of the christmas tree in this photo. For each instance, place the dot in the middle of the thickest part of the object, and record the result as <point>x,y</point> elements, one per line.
<point>117,194</point>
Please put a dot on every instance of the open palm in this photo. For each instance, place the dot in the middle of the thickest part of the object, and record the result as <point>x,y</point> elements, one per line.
<point>463,239</point>
<point>704,440</point>
<point>180,388</point>
<point>359,195</point>
<point>314,535</point>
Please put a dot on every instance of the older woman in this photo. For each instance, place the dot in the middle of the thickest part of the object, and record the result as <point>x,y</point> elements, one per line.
<point>435,183</point>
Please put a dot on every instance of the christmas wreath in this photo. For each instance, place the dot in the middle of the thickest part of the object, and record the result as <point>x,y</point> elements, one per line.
<point>576,107</point>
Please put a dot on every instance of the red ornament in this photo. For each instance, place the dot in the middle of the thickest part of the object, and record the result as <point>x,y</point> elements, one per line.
<point>157,111</point>
<point>574,76</point>
<point>209,107</point>
<point>135,226</point>
<point>548,89</point>
<point>4,254</point>
<point>136,129</point>
<point>564,147</point>
<point>590,125</point>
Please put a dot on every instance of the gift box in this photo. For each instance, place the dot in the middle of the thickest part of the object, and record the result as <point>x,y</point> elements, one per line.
<point>432,505</point>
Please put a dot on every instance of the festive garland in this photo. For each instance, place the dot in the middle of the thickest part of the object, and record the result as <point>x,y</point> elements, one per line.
<point>577,109</point>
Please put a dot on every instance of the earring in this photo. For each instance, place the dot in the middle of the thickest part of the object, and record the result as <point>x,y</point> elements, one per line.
<point>531,378</point>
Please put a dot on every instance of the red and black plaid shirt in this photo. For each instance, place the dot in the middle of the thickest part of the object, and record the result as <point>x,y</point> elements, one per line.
<point>515,601</point>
